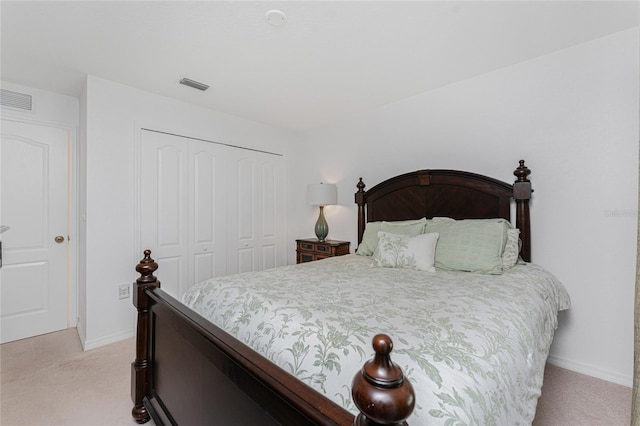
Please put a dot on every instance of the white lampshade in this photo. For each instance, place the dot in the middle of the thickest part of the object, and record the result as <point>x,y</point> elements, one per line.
<point>322,194</point>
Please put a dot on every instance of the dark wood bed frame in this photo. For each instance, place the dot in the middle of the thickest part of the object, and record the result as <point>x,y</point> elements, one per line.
<point>188,371</point>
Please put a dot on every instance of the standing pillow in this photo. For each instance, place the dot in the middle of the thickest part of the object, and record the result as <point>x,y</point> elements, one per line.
<point>474,245</point>
<point>404,251</point>
<point>370,237</point>
<point>414,227</point>
<point>511,249</point>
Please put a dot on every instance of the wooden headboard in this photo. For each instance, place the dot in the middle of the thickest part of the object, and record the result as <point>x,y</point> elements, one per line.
<point>449,193</point>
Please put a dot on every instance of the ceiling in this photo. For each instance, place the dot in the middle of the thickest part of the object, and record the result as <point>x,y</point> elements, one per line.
<point>330,60</point>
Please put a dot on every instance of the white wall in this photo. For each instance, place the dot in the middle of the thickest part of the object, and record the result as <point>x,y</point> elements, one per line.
<point>113,114</point>
<point>573,116</point>
<point>59,111</point>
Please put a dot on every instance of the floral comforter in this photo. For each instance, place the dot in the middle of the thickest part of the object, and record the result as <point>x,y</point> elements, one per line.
<point>474,346</point>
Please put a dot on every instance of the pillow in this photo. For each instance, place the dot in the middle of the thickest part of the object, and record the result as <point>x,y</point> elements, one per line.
<point>511,249</point>
<point>411,228</point>
<point>474,245</point>
<point>404,251</point>
<point>370,237</point>
<point>443,219</point>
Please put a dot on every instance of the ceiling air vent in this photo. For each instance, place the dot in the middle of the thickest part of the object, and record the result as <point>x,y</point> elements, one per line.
<point>194,84</point>
<point>16,100</point>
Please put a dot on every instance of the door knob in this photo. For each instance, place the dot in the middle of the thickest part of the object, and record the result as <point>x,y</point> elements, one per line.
<point>59,239</point>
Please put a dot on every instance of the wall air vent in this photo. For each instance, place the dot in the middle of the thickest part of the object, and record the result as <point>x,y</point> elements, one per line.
<point>16,100</point>
<point>194,84</point>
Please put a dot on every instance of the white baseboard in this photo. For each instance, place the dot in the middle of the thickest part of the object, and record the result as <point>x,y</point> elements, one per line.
<point>81,333</point>
<point>590,370</point>
<point>112,338</point>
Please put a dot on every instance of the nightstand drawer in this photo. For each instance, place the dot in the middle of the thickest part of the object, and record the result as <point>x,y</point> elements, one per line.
<point>307,246</point>
<point>323,249</point>
<point>310,249</point>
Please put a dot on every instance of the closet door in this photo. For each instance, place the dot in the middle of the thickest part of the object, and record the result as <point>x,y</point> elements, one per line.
<point>272,242</point>
<point>182,208</point>
<point>242,198</point>
<point>207,211</point>
<point>164,207</point>
<point>256,196</point>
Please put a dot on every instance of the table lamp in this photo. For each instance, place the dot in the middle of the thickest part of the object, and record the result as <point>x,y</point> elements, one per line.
<point>322,194</point>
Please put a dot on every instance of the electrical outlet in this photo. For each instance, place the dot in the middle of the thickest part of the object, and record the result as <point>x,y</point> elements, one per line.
<point>124,291</point>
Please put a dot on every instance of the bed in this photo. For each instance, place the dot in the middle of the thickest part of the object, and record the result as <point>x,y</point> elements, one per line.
<point>303,344</point>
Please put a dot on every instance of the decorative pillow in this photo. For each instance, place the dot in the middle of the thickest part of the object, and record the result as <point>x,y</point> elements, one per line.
<point>370,237</point>
<point>474,245</point>
<point>511,248</point>
<point>404,251</point>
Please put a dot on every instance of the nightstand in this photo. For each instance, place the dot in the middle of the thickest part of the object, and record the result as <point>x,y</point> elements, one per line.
<point>309,249</point>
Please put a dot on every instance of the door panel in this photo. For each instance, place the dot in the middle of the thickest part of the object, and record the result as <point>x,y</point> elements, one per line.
<point>271,211</point>
<point>269,257</point>
<point>163,207</point>
<point>207,187</point>
<point>171,196</point>
<point>256,231</point>
<point>34,204</point>
<point>242,198</point>
<point>182,212</point>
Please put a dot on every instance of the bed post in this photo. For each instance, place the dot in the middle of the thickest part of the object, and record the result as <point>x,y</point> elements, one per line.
<point>522,194</point>
<point>141,367</point>
<point>380,390</point>
<point>361,205</point>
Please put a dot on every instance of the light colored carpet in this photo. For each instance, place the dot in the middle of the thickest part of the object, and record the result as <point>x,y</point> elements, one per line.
<point>573,399</point>
<point>49,380</point>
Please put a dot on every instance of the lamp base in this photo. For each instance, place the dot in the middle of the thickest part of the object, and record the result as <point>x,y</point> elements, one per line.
<point>322,227</point>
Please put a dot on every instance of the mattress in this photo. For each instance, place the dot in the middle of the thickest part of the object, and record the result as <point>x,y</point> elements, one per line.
<point>473,345</point>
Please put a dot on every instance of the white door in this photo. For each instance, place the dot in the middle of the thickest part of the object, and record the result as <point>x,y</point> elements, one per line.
<point>207,211</point>
<point>182,209</point>
<point>163,207</point>
<point>243,201</point>
<point>256,195</point>
<point>34,204</point>
<point>272,242</point>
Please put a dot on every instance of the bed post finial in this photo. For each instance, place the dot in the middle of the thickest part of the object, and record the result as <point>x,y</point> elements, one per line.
<point>522,194</point>
<point>141,367</point>
<point>146,268</point>
<point>361,203</point>
<point>522,172</point>
<point>380,390</point>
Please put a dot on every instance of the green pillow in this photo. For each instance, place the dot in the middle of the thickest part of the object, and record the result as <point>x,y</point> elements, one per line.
<point>511,252</point>
<point>474,245</point>
<point>411,228</point>
<point>370,237</point>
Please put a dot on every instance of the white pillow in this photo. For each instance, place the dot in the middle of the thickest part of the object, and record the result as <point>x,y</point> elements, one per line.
<point>404,251</point>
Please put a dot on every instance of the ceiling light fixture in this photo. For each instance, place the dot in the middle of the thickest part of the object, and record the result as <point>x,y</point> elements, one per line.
<point>194,84</point>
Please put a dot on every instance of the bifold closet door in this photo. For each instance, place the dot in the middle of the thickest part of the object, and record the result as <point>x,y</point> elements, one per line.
<point>207,211</point>
<point>182,211</point>
<point>255,237</point>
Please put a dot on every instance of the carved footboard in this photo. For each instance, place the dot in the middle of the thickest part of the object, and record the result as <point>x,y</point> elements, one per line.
<point>188,371</point>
